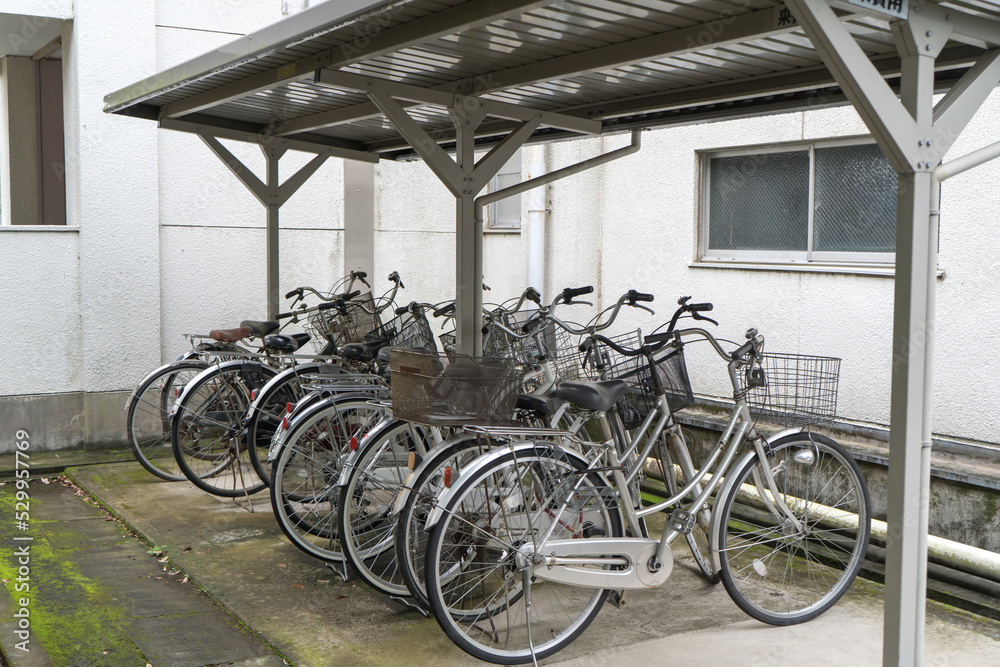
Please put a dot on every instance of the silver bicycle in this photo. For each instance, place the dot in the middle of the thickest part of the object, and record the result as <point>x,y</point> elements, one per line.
<point>526,546</point>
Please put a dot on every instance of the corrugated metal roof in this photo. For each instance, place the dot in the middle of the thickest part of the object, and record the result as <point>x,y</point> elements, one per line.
<point>624,63</point>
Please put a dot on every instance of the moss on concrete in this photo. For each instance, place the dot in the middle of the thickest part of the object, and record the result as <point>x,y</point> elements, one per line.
<point>71,615</point>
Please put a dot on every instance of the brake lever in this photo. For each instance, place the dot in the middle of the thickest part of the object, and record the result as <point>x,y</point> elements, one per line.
<point>575,303</point>
<point>649,310</point>
<point>702,317</point>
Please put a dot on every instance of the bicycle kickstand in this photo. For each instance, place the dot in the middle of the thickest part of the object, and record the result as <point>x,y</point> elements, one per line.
<point>342,575</point>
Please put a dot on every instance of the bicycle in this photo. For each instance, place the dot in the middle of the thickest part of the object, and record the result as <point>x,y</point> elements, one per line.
<point>149,406</point>
<point>526,546</point>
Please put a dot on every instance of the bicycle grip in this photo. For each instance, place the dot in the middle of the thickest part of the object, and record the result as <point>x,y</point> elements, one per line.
<point>327,305</point>
<point>444,310</point>
<point>700,307</point>
<point>350,295</point>
<point>571,293</point>
<point>281,316</point>
<point>634,296</point>
<point>360,274</point>
<point>742,350</point>
<point>531,294</point>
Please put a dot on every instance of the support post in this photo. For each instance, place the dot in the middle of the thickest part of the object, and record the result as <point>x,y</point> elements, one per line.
<point>272,158</point>
<point>359,217</point>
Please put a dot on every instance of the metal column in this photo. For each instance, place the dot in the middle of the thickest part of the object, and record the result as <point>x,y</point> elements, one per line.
<point>914,134</point>
<point>272,195</point>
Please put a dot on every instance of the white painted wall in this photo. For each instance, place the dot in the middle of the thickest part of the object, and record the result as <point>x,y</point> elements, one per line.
<point>633,224</point>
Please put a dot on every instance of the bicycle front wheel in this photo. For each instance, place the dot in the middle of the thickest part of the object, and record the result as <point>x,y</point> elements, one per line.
<point>483,587</point>
<point>208,429</point>
<point>148,421</point>
<point>781,570</point>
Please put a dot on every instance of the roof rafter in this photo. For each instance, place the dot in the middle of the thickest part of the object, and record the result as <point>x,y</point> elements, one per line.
<point>467,15</point>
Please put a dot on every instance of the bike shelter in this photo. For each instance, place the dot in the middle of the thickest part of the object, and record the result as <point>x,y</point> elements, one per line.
<point>369,80</point>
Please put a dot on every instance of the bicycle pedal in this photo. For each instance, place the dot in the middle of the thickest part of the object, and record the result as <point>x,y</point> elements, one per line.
<point>682,521</point>
<point>618,598</point>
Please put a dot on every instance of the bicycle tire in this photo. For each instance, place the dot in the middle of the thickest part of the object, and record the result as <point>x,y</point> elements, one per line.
<point>306,472</point>
<point>207,429</point>
<point>270,407</point>
<point>367,522</point>
<point>477,587</point>
<point>148,417</point>
<point>775,573</point>
<point>410,538</point>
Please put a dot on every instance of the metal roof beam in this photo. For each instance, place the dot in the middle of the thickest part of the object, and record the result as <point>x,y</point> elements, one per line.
<point>722,32</point>
<point>439,24</point>
<point>433,96</point>
<point>261,137</point>
<point>729,30</point>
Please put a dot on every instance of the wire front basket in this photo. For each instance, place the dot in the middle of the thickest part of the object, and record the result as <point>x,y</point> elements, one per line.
<point>407,331</point>
<point>453,390</point>
<point>794,389</point>
<point>639,400</point>
<point>348,326</point>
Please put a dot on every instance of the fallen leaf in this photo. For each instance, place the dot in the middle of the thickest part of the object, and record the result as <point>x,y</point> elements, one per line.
<point>173,572</point>
<point>297,586</point>
<point>184,580</point>
<point>163,560</point>
<point>185,550</point>
<point>159,577</point>
<point>45,480</point>
<point>322,581</point>
<point>282,565</point>
<point>341,597</point>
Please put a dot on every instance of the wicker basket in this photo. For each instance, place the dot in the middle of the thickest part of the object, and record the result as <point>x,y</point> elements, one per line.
<point>796,389</point>
<point>456,390</point>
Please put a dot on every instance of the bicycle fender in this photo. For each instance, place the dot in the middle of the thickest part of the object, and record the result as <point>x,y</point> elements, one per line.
<point>197,380</point>
<point>280,378</point>
<point>352,458</point>
<point>489,458</point>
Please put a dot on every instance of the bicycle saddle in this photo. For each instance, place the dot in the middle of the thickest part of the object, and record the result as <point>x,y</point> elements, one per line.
<point>546,405</point>
<point>599,396</point>
<point>259,329</point>
<point>230,335</point>
<point>363,351</point>
<point>285,342</point>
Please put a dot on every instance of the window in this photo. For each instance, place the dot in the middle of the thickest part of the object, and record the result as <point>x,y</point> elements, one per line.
<point>32,142</point>
<point>506,214</point>
<point>820,202</point>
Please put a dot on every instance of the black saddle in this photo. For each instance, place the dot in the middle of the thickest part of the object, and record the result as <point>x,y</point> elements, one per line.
<point>599,396</point>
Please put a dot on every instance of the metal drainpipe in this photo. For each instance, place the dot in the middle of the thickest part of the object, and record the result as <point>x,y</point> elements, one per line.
<point>940,173</point>
<point>536,221</point>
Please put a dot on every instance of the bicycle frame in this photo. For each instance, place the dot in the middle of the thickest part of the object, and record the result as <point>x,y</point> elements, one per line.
<point>644,562</point>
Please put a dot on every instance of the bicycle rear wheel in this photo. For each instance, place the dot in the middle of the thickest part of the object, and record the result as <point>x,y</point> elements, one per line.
<point>483,588</point>
<point>367,500</point>
<point>428,480</point>
<point>148,420</point>
<point>270,406</point>
<point>207,429</point>
<point>304,492</point>
<point>780,573</point>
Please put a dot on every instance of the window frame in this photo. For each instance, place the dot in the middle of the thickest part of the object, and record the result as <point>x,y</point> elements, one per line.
<point>492,215</point>
<point>788,257</point>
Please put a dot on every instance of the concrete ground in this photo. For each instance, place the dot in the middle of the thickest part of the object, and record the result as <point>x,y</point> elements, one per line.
<point>272,603</point>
